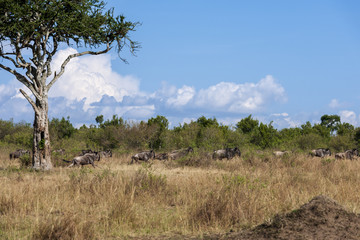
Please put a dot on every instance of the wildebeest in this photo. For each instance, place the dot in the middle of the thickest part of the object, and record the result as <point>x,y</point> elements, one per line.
<point>320,152</point>
<point>18,153</point>
<point>349,154</point>
<point>228,153</point>
<point>88,158</point>
<point>143,156</point>
<point>83,152</point>
<point>162,156</point>
<point>281,153</point>
<point>106,153</point>
<point>176,154</point>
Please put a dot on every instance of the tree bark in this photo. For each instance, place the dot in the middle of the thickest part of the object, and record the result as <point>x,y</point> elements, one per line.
<point>41,159</point>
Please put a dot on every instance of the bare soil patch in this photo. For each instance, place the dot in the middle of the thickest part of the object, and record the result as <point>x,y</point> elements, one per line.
<point>321,218</point>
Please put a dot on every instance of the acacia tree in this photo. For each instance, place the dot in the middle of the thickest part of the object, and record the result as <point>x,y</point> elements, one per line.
<point>32,31</point>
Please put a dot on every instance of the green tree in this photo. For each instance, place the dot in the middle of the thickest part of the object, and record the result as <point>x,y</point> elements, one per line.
<point>61,128</point>
<point>40,27</point>
<point>265,136</point>
<point>345,129</point>
<point>322,130</point>
<point>357,136</point>
<point>330,121</point>
<point>247,125</point>
<point>306,128</point>
<point>207,122</point>
<point>115,121</point>
<point>99,119</point>
<point>160,125</point>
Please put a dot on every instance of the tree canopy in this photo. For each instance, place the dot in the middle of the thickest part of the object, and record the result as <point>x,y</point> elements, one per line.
<point>40,26</point>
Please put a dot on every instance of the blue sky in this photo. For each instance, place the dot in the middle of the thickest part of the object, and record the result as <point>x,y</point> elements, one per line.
<point>282,61</point>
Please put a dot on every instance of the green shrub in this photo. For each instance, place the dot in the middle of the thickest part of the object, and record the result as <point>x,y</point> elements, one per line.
<point>25,160</point>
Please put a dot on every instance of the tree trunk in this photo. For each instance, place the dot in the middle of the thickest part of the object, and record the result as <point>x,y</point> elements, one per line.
<point>41,148</point>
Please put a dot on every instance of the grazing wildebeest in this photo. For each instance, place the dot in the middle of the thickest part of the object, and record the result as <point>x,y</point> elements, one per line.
<point>88,158</point>
<point>320,152</point>
<point>18,153</point>
<point>83,152</point>
<point>349,154</point>
<point>162,156</point>
<point>281,153</point>
<point>143,156</point>
<point>106,153</point>
<point>228,153</point>
<point>176,154</point>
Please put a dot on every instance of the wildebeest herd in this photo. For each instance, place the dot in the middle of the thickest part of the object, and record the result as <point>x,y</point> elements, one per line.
<point>89,156</point>
<point>325,152</point>
<point>348,154</point>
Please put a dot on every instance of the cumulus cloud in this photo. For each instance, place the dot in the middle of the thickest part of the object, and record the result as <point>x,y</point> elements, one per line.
<point>8,90</point>
<point>181,97</point>
<point>89,78</point>
<point>241,98</point>
<point>90,87</point>
<point>348,117</point>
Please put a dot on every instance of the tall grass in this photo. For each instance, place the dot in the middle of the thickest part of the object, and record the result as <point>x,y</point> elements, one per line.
<point>117,200</point>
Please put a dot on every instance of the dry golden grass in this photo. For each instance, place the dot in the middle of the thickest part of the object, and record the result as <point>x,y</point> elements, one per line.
<point>117,200</point>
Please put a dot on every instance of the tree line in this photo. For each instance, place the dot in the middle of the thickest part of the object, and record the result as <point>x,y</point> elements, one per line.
<point>204,133</point>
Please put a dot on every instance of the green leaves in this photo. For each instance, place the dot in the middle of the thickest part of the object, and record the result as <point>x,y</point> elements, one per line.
<point>246,125</point>
<point>83,22</point>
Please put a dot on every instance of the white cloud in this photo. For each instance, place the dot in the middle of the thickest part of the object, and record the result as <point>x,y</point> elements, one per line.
<point>182,97</point>
<point>241,98</point>
<point>8,90</point>
<point>89,87</point>
<point>348,117</point>
<point>89,78</point>
<point>280,114</point>
<point>334,103</point>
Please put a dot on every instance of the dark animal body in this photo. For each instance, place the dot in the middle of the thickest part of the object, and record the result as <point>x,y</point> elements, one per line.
<point>106,154</point>
<point>176,154</point>
<point>227,153</point>
<point>349,154</point>
<point>162,156</point>
<point>83,152</point>
<point>86,159</point>
<point>143,156</point>
<point>18,153</point>
<point>320,152</point>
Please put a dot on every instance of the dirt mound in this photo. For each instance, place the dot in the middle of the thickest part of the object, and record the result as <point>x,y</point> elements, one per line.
<point>321,218</point>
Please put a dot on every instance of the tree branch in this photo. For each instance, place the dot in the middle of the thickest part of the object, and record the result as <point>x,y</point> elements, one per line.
<point>23,80</point>
<point>30,101</point>
<point>22,61</point>
<point>67,60</point>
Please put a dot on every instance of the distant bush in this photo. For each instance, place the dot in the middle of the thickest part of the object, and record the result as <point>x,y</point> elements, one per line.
<point>25,160</point>
<point>205,134</point>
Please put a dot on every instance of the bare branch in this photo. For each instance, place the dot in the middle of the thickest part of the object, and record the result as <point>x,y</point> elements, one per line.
<point>30,73</point>
<point>30,101</point>
<point>49,58</point>
<point>23,80</point>
<point>67,60</point>
<point>10,59</point>
<point>22,61</point>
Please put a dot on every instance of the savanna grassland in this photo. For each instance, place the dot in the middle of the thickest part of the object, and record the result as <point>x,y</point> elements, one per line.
<point>166,199</point>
